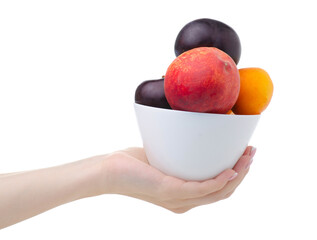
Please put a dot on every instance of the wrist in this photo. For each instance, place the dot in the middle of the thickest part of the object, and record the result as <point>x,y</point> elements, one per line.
<point>86,174</point>
<point>95,176</point>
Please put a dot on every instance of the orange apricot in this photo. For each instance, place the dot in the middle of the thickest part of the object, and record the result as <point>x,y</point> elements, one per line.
<point>230,112</point>
<point>256,90</point>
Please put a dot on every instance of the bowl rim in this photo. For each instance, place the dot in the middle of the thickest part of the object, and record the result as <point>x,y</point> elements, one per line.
<point>196,113</point>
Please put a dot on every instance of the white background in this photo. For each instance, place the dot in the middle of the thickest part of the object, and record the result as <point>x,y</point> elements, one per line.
<point>68,71</point>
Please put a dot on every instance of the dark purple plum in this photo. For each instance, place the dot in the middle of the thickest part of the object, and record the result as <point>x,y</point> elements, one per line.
<point>208,33</point>
<point>151,93</point>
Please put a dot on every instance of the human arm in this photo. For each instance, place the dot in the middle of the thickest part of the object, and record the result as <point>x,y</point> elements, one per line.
<point>127,172</point>
<point>26,194</point>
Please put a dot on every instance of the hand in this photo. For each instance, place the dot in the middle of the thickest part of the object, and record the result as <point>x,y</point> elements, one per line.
<point>128,172</point>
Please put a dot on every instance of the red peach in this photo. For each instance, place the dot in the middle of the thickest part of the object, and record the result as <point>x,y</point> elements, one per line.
<point>203,79</point>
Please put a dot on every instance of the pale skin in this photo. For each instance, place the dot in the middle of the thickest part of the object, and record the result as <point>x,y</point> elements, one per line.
<point>126,172</point>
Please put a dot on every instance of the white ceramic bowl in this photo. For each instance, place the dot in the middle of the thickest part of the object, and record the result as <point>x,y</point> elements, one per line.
<point>193,146</point>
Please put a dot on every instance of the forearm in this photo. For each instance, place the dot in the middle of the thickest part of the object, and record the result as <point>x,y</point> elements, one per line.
<point>26,194</point>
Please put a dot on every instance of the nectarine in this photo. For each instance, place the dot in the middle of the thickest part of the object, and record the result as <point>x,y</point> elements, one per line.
<point>203,79</point>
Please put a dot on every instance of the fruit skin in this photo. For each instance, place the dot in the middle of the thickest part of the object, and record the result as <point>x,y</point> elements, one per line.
<point>202,80</point>
<point>151,93</point>
<point>256,91</point>
<point>208,33</point>
<point>230,112</point>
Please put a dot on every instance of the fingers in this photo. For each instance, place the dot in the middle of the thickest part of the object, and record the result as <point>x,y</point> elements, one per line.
<point>247,155</point>
<point>245,160</point>
<point>242,168</point>
<point>247,151</point>
<point>219,188</point>
<point>225,192</point>
<point>180,196</point>
<point>194,189</point>
<point>180,189</point>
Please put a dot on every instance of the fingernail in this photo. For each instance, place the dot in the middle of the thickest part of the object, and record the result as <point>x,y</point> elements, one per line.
<point>249,164</point>
<point>233,176</point>
<point>252,152</point>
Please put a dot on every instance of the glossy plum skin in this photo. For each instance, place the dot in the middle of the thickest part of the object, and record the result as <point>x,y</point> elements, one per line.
<point>151,93</point>
<point>208,33</point>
